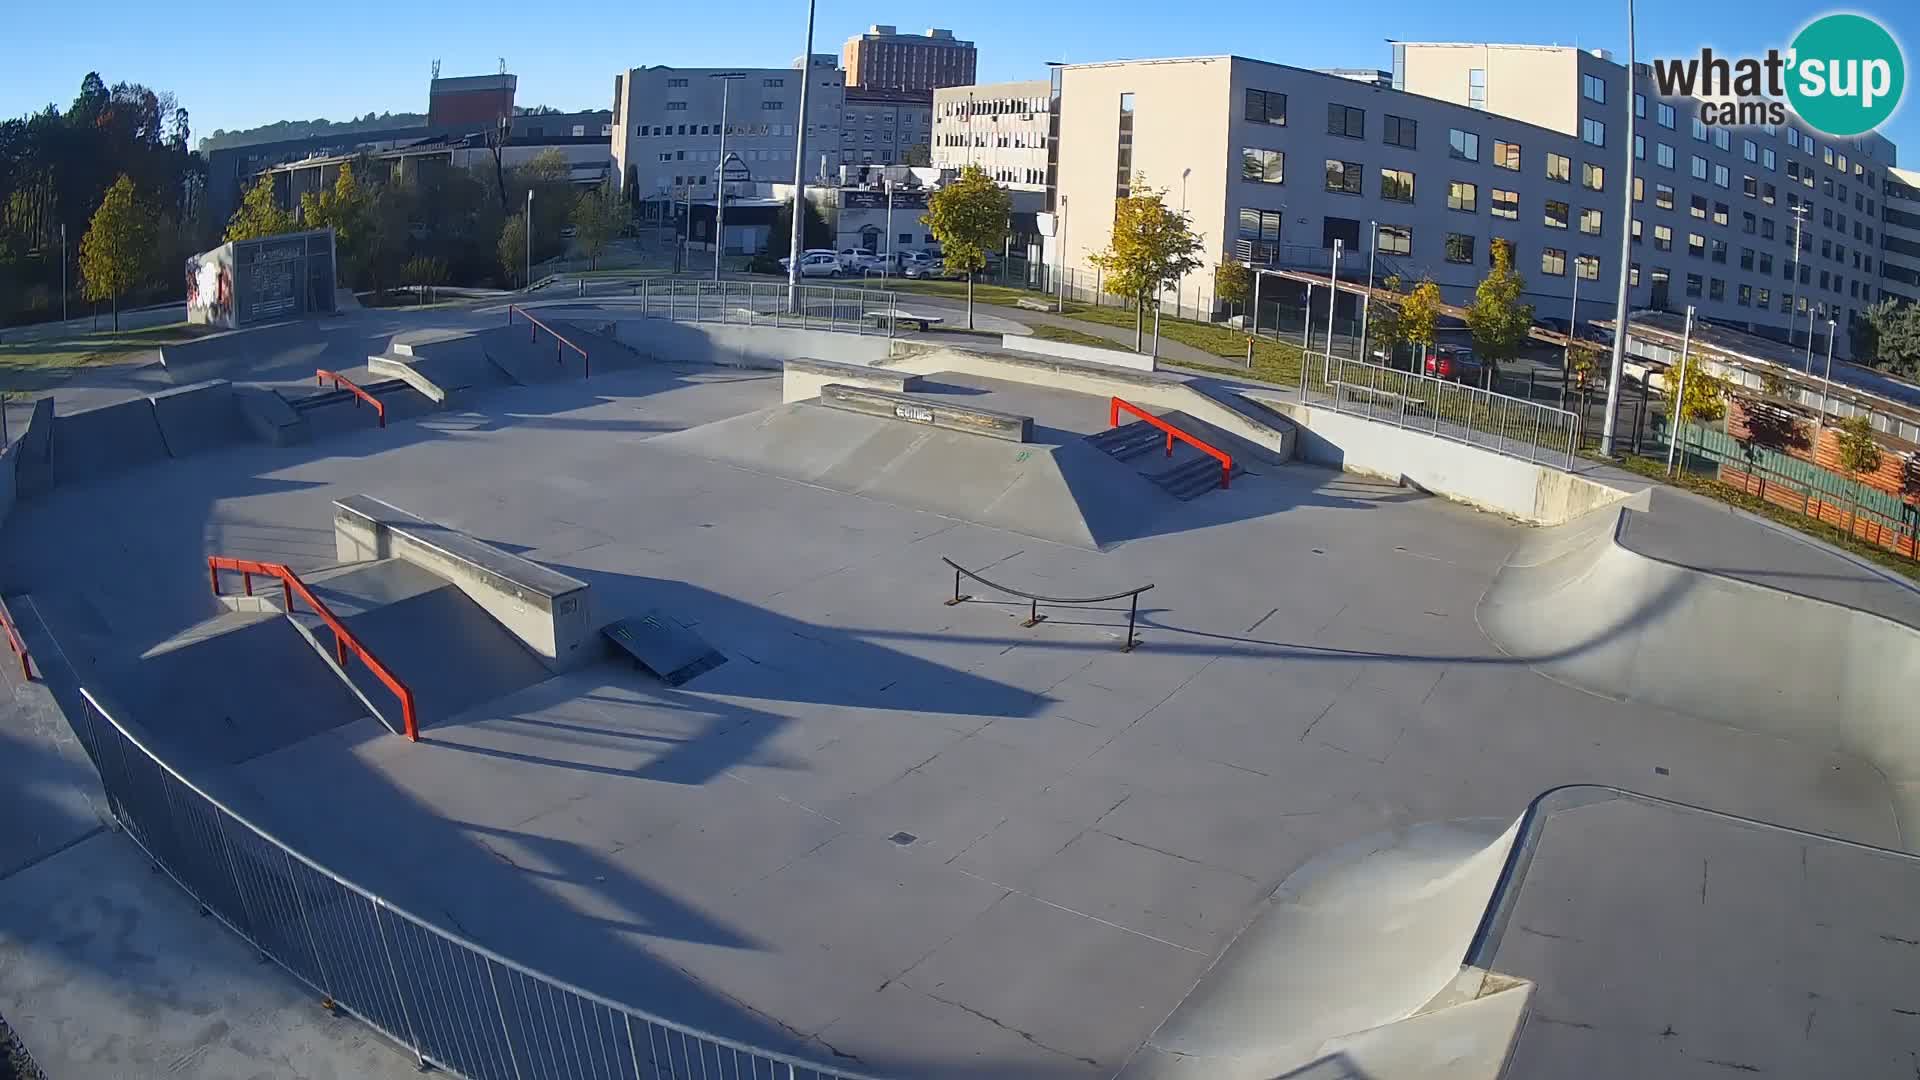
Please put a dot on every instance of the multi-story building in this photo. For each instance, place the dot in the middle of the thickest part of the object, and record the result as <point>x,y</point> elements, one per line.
<point>1001,127</point>
<point>1900,235</point>
<point>1274,163</point>
<point>885,59</point>
<point>470,99</point>
<point>667,124</point>
<point>884,127</point>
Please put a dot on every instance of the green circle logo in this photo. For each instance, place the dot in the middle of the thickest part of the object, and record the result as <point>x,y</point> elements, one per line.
<point>1847,74</point>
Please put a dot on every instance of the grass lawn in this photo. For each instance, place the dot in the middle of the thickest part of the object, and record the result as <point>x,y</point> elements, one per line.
<point>1049,332</point>
<point>22,360</point>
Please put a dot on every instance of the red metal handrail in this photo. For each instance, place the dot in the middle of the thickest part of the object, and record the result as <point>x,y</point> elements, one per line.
<point>17,643</point>
<point>534,326</point>
<point>321,375</point>
<point>343,639</point>
<point>1226,462</point>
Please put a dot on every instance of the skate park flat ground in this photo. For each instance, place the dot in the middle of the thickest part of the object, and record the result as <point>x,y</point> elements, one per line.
<point>921,839</point>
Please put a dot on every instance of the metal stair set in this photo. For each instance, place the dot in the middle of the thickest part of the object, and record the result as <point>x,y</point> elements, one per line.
<point>1189,479</point>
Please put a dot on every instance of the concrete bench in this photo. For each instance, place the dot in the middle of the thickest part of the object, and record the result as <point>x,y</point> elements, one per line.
<point>803,376</point>
<point>1033,305</point>
<point>935,412</point>
<point>1356,392</point>
<point>544,608</point>
<point>896,316</point>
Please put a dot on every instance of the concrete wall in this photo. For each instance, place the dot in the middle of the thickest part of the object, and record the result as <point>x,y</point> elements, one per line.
<point>198,417</point>
<point>1468,474</point>
<point>9,477</point>
<point>1084,353</point>
<point>731,345</point>
<point>1535,83</point>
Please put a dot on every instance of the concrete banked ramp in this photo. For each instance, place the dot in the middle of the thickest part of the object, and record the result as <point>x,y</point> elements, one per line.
<point>1588,604</point>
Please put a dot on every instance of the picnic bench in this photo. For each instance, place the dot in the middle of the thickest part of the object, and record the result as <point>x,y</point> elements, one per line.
<point>1357,392</point>
<point>897,316</point>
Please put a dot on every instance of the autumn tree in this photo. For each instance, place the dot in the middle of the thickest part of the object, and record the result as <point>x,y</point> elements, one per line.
<point>1419,316</point>
<point>1383,318</point>
<point>1859,453</point>
<point>113,253</point>
<point>260,214</point>
<point>346,209</point>
<point>512,247</point>
<point>598,217</point>
<point>1232,282</point>
<point>1150,246</point>
<point>969,218</point>
<point>1497,319</point>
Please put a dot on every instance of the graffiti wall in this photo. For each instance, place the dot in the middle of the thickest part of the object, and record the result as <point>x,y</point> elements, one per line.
<point>248,282</point>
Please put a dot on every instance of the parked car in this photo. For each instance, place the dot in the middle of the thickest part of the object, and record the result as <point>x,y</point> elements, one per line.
<point>854,260</point>
<point>1456,363</point>
<point>815,262</point>
<point>920,264</point>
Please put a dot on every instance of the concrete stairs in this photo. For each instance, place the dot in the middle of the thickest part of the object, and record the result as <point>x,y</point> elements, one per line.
<point>1186,475</point>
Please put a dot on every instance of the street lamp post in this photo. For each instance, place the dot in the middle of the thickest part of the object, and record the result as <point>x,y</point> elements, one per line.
<point>1793,295</point>
<point>1060,260</point>
<point>886,268</point>
<point>529,238</point>
<point>799,170</point>
<point>1826,387</point>
<point>1813,313</point>
<point>63,274</point>
<point>1626,255</point>
<point>1566,355</point>
<point>1333,302</point>
<point>727,79</point>
<point>1366,298</point>
<point>1679,391</point>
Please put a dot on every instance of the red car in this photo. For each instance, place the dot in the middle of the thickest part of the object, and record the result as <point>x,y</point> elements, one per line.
<point>1457,364</point>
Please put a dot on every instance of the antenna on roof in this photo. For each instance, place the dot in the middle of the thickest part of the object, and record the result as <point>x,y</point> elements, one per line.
<point>503,65</point>
<point>436,69</point>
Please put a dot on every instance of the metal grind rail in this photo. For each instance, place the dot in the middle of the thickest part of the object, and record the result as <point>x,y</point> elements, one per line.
<point>15,642</point>
<point>1113,420</point>
<point>343,640</point>
<point>341,382</point>
<point>534,326</point>
<point>1034,600</point>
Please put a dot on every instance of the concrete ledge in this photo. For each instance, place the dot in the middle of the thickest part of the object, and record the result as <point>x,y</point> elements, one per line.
<point>926,410</point>
<point>101,442</point>
<point>803,376</point>
<point>270,418</point>
<point>547,610</point>
<point>398,368</point>
<point>198,417</point>
<point>739,345</point>
<point>1086,354</point>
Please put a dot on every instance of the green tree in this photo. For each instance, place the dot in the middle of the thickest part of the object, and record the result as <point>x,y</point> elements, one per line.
<point>113,253</point>
<point>260,214</point>
<point>1859,453</point>
<point>1773,384</point>
<point>1887,335</point>
<point>1383,318</point>
<point>1706,393</point>
<point>346,209</point>
<point>813,228</point>
<point>1419,315</point>
<point>969,218</point>
<point>918,154</point>
<point>1497,319</point>
<point>598,217</point>
<point>1150,246</point>
<point>512,247</point>
<point>1232,283</point>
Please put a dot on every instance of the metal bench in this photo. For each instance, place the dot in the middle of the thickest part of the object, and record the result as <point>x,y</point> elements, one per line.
<point>1355,391</point>
<point>897,316</point>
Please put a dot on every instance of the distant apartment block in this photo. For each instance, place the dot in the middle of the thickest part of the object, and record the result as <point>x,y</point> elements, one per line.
<point>1900,235</point>
<point>885,59</point>
<point>666,126</point>
<point>1001,127</point>
<point>880,127</point>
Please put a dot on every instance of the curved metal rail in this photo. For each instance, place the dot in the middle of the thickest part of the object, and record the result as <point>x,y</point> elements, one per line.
<point>1034,600</point>
<point>341,382</point>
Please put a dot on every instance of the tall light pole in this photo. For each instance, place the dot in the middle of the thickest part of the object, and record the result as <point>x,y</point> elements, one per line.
<point>1679,391</point>
<point>727,79</point>
<point>1180,288</point>
<point>1366,298</point>
<point>799,170</point>
<point>529,238</point>
<point>63,274</point>
<point>1812,313</point>
<point>1333,302</point>
<point>1826,388</point>
<point>1793,295</point>
<point>1573,312</point>
<point>1626,257</point>
<point>1060,259</point>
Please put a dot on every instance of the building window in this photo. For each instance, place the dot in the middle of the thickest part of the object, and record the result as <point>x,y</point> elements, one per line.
<point>1699,130</point>
<point>1696,245</point>
<point>1746,259</point>
<point>1463,196</point>
<point>1768,193</point>
<point>1662,238</point>
<point>1506,154</point>
<point>676,84</point>
<point>1718,250</point>
<point>1266,107</point>
<point>1697,206</point>
<point>1694,283</point>
<point>1396,240</point>
<point>1123,168</point>
<point>1476,88</point>
<point>1459,248</point>
<point>1635,230</point>
<point>1347,121</point>
<point>1464,145</point>
<point>1640,106</point>
<point>1262,166</point>
<point>1720,212</point>
<point>1556,214</point>
<point>1396,184</point>
<point>1698,167</point>
<point>1663,155</point>
<point>1593,89</point>
<point>1749,150</point>
<point>773,83</point>
<point>1748,223</point>
<point>1749,187</point>
<point>1593,132</point>
<point>1721,139</point>
<point>1640,148</point>
<point>1587,266</point>
<point>1553,262</point>
<point>1506,204</point>
<point>773,106</point>
<point>1592,177</point>
<point>1260,234</point>
<point>1400,131</point>
<point>1590,221</point>
<point>1768,159</point>
<point>676,106</point>
<point>1559,167</point>
<point>1721,178</point>
<point>1717,289</point>
<point>1663,115</point>
<point>1343,176</point>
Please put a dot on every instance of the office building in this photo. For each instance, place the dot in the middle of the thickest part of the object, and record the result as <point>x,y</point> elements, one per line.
<point>884,127</point>
<point>1001,127</point>
<point>1900,235</point>
<point>666,127</point>
<point>1275,163</point>
<point>472,99</point>
<point>885,59</point>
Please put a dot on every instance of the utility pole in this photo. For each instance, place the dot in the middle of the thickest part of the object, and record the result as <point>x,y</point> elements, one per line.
<point>800,170</point>
<point>720,174</point>
<point>1793,295</point>
<point>1620,302</point>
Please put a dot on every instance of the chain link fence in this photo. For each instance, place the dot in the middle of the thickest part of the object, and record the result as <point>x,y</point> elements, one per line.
<point>450,1002</point>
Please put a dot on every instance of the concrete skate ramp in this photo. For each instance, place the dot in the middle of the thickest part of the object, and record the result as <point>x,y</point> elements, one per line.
<point>1057,488</point>
<point>1366,935</point>
<point>197,417</point>
<point>101,442</point>
<point>1582,605</point>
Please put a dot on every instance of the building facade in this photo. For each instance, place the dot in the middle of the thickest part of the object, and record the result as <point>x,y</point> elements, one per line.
<point>1001,127</point>
<point>886,127</point>
<point>1275,163</point>
<point>885,59</point>
<point>471,99</point>
<point>667,126</point>
<point>1900,235</point>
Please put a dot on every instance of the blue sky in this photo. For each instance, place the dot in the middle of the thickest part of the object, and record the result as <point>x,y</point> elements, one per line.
<point>235,64</point>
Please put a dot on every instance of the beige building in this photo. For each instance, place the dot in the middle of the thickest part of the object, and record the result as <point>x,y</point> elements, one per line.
<point>1001,127</point>
<point>885,59</point>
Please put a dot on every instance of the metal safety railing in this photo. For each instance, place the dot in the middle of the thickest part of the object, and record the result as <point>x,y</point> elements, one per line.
<point>1113,420</point>
<point>534,326</point>
<point>836,309</point>
<point>16,643</point>
<point>344,642</point>
<point>341,382</point>
<point>453,1004</point>
<point>1461,412</point>
<point>1034,600</point>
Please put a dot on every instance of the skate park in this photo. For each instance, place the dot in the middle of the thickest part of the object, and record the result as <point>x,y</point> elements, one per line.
<point>1415,759</point>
